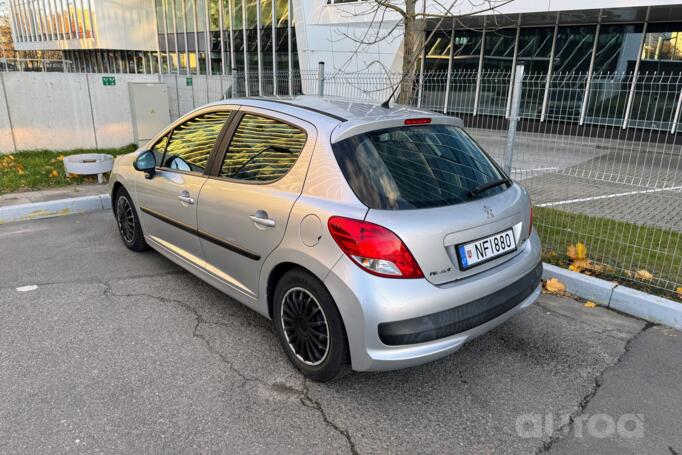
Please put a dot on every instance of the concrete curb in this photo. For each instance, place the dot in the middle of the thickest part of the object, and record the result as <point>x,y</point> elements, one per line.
<point>621,298</point>
<point>59,207</point>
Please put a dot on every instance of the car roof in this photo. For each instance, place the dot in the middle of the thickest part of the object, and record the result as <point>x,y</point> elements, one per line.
<point>342,116</point>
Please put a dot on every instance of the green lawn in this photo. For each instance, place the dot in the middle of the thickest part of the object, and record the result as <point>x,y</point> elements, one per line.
<point>623,248</point>
<point>40,169</point>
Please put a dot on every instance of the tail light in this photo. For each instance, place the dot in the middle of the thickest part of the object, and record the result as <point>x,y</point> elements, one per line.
<point>374,248</point>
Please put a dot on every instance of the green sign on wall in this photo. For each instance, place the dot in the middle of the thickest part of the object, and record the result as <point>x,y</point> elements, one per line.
<point>108,80</point>
<point>188,81</point>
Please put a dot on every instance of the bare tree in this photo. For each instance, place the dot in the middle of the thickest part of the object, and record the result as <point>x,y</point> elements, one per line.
<point>413,23</point>
<point>6,44</point>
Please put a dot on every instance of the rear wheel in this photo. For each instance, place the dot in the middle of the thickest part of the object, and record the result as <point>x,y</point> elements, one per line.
<point>310,327</point>
<point>128,222</point>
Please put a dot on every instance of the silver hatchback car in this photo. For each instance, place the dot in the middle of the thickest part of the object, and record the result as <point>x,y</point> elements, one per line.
<point>375,238</point>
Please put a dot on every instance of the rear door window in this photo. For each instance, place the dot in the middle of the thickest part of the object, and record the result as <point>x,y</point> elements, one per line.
<point>414,167</point>
<point>262,149</point>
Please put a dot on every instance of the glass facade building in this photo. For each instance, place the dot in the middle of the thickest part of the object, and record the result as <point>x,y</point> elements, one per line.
<point>616,53</point>
<point>251,37</point>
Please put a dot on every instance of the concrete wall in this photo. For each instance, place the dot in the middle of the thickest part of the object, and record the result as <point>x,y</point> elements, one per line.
<point>117,24</point>
<point>53,111</point>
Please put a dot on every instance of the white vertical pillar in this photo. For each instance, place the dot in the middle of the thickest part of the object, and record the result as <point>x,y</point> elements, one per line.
<point>635,75</point>
<point>274,47</point>
<point>549,70</point>
<point>588,82</point>
<point>449,76</point>
<point>259,49</point>
<point>289,44</point>
<point>246,45</point>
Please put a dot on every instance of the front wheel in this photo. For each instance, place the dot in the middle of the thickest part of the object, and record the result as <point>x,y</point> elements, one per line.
<point>128,222</point>
<point>310,327</point>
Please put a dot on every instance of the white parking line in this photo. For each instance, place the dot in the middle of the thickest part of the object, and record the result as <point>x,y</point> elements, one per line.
<point>535,169</point>
<point>608,196</point>
<point>31,287</point>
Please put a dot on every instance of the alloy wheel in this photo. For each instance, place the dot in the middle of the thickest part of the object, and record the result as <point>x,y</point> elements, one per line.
<point>305,326</point>
<point>125,219</point>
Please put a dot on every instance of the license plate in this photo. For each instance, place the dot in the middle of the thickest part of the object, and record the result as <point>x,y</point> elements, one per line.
<point>485,249</point>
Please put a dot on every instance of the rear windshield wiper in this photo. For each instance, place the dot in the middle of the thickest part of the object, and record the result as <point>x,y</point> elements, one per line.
<point>486,186</point>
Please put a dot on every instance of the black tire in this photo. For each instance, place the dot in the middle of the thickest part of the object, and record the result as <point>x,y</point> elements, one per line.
<point>127,221</point>
<point>296,295</point>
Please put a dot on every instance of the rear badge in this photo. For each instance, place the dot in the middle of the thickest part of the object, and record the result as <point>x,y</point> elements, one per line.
<point>434,273</point>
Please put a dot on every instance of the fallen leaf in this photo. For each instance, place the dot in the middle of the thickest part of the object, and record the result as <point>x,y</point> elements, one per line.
<point>590,304</point>
<point>580,251</point>
<point>678,291</point>
<point>571,252</point>
<point>60,157</point>
<point>644,275</point>
<point>54,173</point>
<point>555,286</point>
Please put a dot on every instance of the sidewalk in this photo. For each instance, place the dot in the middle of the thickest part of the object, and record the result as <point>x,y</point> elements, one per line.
<point>30,197</point>
<point>32,205</point>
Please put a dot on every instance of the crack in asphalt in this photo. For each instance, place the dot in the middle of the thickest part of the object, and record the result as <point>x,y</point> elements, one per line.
<point>304,394</point>
<point>309,402</point>
<point>564,429</point>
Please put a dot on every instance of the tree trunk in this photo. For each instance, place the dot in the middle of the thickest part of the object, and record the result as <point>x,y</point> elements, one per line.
<point>413,42</point>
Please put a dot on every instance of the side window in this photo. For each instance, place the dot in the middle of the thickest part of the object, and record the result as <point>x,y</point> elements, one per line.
<point>190,143</point>
<point>158,150</point>
<point>262,149</point>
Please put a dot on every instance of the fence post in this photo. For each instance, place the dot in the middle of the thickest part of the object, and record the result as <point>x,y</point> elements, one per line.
<point>320,80</point>
<point>676,119</point>
<point>9,114</point>
<point>513,118</point>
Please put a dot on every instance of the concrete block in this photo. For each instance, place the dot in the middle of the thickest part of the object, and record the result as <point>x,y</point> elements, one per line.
<point>584,286</point>
<point>646,306</point>
<point>49,209</point>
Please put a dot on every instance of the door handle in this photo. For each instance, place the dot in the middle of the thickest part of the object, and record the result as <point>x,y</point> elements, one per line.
<point>261,218</point>
<point>186,198</point>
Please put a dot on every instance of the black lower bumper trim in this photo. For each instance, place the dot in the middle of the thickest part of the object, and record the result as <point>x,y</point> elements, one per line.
<point>461,318</point>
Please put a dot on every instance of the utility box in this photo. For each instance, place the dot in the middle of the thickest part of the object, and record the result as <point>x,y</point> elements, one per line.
<point>148,108</point>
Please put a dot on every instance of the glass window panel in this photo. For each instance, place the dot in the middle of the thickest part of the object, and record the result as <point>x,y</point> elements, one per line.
<point>535,45</point>
<point>437,51</point>
<point>201,17</point>
<point>179,10</point>
<point>251,13</point>
<point>498,52</point>
<point>191,143</point>
<point>237,18</point>
<point>282,12</point>
<point>573,49</point>
<point>617,48</point>
<point>266,13</point>
<point>189,15</point>
<point>214,15</point>
<point>262,149</point>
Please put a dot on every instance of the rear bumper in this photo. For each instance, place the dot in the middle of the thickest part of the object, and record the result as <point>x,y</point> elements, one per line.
<point>395,324</point>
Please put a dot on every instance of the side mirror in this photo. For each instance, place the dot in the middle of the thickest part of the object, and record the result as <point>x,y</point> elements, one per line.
<point>146,162</point>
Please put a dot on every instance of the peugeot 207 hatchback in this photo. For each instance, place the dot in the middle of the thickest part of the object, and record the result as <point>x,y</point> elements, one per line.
<point>375,238</point>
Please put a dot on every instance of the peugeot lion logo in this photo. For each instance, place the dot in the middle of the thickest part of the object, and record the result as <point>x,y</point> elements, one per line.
<point>488,212</point>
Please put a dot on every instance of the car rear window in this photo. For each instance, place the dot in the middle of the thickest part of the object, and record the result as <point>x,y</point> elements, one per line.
<point>412,167</point>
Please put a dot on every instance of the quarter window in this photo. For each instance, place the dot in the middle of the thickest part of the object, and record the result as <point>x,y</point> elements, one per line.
<point>190,144</point>
<point>262,149</point>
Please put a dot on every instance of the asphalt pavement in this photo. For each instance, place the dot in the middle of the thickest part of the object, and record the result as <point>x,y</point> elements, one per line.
<point>107,351</point>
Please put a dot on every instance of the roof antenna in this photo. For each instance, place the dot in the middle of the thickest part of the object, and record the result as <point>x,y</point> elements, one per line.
<point>386,104</point>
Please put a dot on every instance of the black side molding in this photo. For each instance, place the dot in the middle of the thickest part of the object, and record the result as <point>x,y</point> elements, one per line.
<point>203,235</point>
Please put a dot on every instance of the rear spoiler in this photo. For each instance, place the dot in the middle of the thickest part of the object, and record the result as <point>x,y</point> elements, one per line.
<point>355,127</point>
